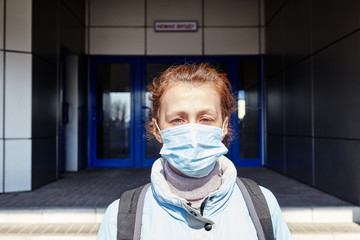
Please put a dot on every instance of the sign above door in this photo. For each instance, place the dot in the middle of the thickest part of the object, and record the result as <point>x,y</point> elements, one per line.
<point>183,26</point>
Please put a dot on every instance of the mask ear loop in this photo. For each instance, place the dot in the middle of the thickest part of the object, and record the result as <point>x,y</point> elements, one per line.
<point>157,126</point>
<point>223,126</point>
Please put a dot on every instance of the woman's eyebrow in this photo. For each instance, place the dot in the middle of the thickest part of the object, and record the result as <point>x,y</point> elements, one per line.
<point>175,113</point>
<point>208,111</point>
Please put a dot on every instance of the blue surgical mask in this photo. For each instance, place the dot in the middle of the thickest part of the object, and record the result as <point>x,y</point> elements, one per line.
<point>192,148</point>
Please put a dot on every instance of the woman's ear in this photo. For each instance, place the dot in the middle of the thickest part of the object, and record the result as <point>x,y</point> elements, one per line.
<point>156,131</point>
<point>225,130</point>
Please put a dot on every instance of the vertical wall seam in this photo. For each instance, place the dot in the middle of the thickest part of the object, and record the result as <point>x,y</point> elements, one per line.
<point>145,28</point>
<point>58,109</point>
<point>88,27</point>
<point>261,95</point>
<point>312,120</point>
<point>259,26</point>
<point>312,99</point>
<point>203,27</point>
<point>284,120</point>
<point>3,106</point>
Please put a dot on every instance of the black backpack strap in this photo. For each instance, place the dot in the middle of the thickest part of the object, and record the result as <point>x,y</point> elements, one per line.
<point>130,213</point>
<point>258,208</point>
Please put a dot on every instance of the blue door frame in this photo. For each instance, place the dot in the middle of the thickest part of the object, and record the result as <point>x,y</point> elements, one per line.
<point>137,129</point>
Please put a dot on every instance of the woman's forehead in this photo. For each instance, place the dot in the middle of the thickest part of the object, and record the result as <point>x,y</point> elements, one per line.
<point>180,97</point>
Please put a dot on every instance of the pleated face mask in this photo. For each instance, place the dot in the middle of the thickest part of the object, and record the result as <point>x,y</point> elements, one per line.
<point>192,148</point>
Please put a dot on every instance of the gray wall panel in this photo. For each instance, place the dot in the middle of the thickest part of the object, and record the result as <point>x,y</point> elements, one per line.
<point>275,111</point>
<point>337,88</point>
<point>333,19</point>
<point>1,165</point>
<point>55,24</point>
<point>275,152</point>
<point>337,168</point>
<point>271,7</point>
<point>83,113</point>
<point>43,161</point>
<point>298,99</point>
<point>2,14</point>
<point>44,37</point>
<point>44,101</point>
<point>77,7</point>
<point>316,50</point>
<point>299,158</point>
<point>297,23</point>
<point>71,31</point>
<point>274,45</point>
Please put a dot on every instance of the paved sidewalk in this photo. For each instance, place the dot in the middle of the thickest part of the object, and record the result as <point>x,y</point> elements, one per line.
<point>98,187</point>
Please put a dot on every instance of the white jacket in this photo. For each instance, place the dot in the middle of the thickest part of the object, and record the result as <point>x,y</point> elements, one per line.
<point>167,216</point>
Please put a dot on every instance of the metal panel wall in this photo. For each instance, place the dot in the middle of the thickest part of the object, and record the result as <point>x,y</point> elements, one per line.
<point>337,167</point>
<point>56,25</point>
<point>296,35</point>
<point>275,152</point>
<point>275,105</point>
<point>298,99</point>
<point>337,88</point>
<point>314,47</point>
<point>332,20</point>
<point>299,158</point>
<point>43,161</point>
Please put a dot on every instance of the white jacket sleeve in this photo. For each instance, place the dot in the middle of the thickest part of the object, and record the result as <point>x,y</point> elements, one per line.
<point>108,227</point>
<point>281,230</point>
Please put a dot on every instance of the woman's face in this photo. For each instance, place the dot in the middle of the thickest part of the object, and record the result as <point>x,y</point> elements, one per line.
<point>183,104</point>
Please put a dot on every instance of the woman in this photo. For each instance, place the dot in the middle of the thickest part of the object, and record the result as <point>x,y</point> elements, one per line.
<point>193,193</point>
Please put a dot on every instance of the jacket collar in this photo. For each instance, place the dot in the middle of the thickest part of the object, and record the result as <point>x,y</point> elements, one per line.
<point>176,205</point>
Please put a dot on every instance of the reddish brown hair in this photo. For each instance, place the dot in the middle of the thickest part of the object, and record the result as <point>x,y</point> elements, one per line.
<point>194,75</point>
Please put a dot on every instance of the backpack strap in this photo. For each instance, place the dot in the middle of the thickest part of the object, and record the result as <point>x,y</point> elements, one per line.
<point>132,202</point>
<point>130,213</point>
<point>258,208</point>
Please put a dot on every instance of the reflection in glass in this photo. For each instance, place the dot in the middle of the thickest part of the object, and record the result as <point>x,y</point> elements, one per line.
<point>113,113</point>
<point>152,70</point>
<point>248,108</point>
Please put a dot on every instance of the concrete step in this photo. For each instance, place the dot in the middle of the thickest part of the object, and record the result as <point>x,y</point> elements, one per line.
<point>310,223</point>
<point>88,231</point>
<point>321,214</point>
<point>324,231</point>
<point>52,215</point>
<point>48,231</point>
<point>90,215</point>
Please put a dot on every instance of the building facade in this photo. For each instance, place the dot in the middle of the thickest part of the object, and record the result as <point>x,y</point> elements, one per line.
<point>73,78</point>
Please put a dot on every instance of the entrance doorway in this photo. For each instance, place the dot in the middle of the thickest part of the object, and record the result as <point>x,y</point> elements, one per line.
<point>120,107</point>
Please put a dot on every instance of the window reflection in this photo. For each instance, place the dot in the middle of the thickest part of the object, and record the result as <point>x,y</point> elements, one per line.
<point>114,111</point>
<point>241,105</point>
<point>152,147</point>
<point>248,108</point>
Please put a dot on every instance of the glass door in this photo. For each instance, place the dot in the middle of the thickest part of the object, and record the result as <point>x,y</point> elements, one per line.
<point>112,104</point>
<point>247,122</point>
<point>152,69</point>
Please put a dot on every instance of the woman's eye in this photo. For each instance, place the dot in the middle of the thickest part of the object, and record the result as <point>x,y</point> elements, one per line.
<point>205,120</point>
<point>177,120</point>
